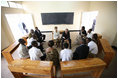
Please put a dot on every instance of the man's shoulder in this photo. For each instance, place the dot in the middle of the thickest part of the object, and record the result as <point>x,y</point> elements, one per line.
<point>81,46</point>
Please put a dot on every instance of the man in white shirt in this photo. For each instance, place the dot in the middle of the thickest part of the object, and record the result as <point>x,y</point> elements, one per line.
<point>66,54</point>
<point>34,52</point>
<point>29,41</point>
<point>93,48</point>
<point>89,35</point>
<point>56,36</point>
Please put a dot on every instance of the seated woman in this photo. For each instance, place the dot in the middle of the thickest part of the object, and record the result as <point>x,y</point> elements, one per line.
<point>56,36</point>
<point>22,50</point>
<point>52,54</point>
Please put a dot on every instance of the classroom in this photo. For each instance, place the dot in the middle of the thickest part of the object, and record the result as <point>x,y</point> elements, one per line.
<point>58,39</point>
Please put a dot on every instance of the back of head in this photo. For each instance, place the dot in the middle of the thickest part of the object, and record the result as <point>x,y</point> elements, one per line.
<point>34,43</point>
<point>88,40</point>
<point>32,31</point>
<point>83,41</point>
<point>95,36</point>
<point>65,45</point>
<point>34,36</point>
<point>21,41</point>
<point>51,43</point>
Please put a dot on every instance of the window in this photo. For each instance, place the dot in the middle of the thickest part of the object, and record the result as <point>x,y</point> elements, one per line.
<point>4,4</point>
<point>12,4</point>
<point>89,20</point>
<point>20,24</point>
<point>19,5</point>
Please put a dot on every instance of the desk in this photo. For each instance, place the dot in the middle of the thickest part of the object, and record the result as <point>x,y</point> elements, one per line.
<point>95,65</point>
<point>29,66</point>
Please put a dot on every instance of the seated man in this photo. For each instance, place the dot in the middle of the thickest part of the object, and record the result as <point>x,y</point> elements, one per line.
<point>66,37</point>
<point>22,50</point>
<point>82,35</point>
<point>83,32</point>
<point>82,51</point>
<point>34,52</point>
<point>93,48</point>
<point>33,38</point>
<point>31,33</point>
<point>66,54</point>
<point>56,36</point>
<point>40,36</point>
<point>90,34</point>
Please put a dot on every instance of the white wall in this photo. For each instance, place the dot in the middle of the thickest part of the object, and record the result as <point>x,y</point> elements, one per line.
<point>36,8</point>
<point>106,19</point>
<point>6,34</point>
<point>106,22</point>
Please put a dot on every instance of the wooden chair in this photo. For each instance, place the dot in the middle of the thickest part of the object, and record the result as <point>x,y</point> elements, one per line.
<point>18,67</point>
<point>93,65</point>
<point>41,68</point>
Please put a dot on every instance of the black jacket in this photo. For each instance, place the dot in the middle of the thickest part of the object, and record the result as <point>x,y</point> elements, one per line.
<point>38,34</point>
<point>81,52</point>
<point>67,36</point>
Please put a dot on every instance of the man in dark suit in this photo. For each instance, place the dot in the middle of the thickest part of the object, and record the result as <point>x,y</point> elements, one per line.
<point>83,32</point>
<point>82,51</point>
<point>40,36</point>
<point>66,37</point>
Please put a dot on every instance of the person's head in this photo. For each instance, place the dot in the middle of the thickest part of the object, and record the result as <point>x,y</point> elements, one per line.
<point>88,40</point>
<point>89,31</point>
<point>83,27</point>
<point>32,31</point>
<point>34,43</point>
<point>95,36</point>
<point>36,28</point>
<point>66,31</point>
<point>51,43</point>
<point>83,41</point>
<point>21,41</point>
<point>55,27</point>
<point>66,45</point>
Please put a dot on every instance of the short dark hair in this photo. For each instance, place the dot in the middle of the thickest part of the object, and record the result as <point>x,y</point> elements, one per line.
<point>90,29</point>
<point>21,41</point>
<point>65,45</point>
<point>83,27</point>
<point>95,36</point>
<point>83,41</point>
<point>34,43</point>
<point>50,43</point>
<point>89,39</point>
<point>36,27</point>
<point>55,27</point>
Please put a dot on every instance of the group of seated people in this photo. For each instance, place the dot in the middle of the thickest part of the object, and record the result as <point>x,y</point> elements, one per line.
<point>35,51</point>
